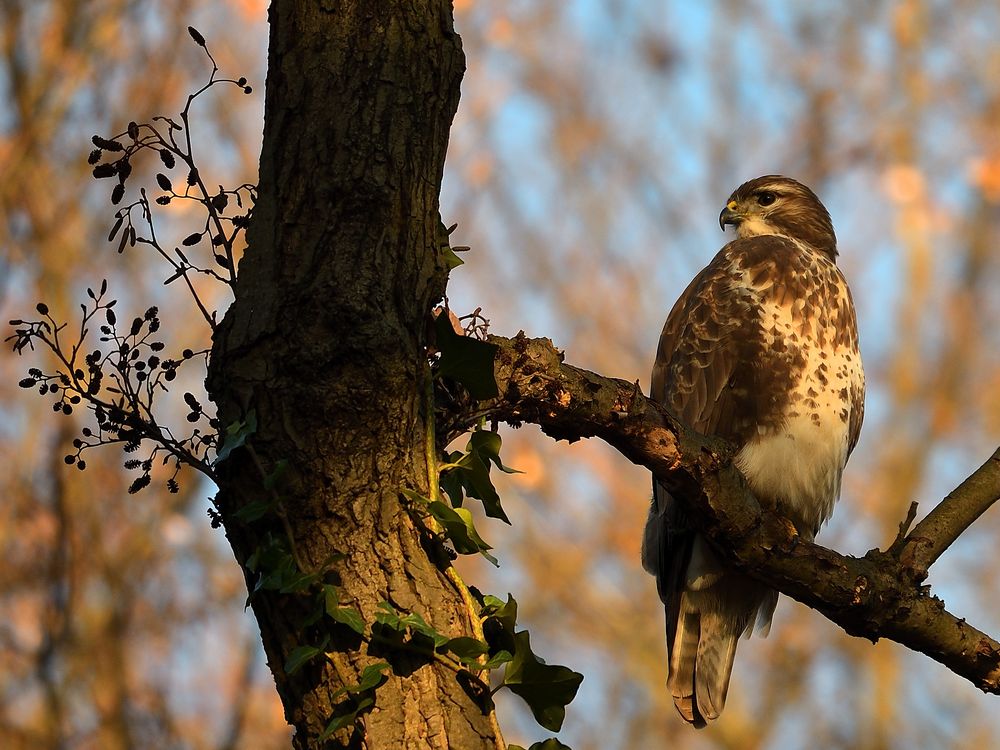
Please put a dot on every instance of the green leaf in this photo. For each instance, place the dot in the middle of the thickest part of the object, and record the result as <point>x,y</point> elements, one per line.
<point>458,526</point>
<point>460,529</point>
<point>550,744</point>
<point>417,624</point>
<point>467,360</point>
<point>415,497</point>
<point>300,656</point>
<point>277,475</point>
<point>269,555</point>
<point>277,568</point>
<point>498,660</point>
<point>504,612</point>
<point>314,616</point>
<point>236,435</point>
<point>360,703</point>
<point>371,677</point>
<point>466,516</point>
<point>339,723</point>
<point>547,689</point>
<point>348,616</point>
<point>499,620</point>
<point>294,580</point>
<point>362,697</point>
<point>451,259</point>
<point>387,616</point>
<point>331,597</point>
<point>487,443</point>
<point>468,650</point>
<point>453,485</point>
<point>468,473</point>
<point>254,510</point>
<point>454,527</point>
<point>480,486</point>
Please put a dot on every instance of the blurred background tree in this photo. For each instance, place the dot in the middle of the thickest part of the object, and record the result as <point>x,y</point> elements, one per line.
<point>595,142</point>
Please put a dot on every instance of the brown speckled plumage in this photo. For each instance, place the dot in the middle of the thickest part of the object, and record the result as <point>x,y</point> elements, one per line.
<point>760,349</point>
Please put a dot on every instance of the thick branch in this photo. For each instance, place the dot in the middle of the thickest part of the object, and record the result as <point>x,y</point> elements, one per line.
<point>875,596</point>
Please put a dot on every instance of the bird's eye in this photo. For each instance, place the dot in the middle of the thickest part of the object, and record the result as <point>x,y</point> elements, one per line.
<point>766,198</point>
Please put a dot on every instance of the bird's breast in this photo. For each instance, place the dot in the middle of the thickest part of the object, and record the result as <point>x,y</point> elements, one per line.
<point>809,359</point>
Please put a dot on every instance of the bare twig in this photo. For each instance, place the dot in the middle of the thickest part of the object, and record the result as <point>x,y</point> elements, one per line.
<point>904,528</point>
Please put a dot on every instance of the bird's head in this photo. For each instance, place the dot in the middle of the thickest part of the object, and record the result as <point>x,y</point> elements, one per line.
<point>774,204</point>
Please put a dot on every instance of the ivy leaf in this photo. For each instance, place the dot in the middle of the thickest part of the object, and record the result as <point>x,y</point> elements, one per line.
<point>470,527</point>
<point>345,615</point>
<point>460,529</point>
<point>479,484</point>
<point>277,475</point>
<point>487,444</point>
<point>345,720</point>
<point>236,435</point>
<point>371,677</point>
<point>277,568</point>
<point>342,721</point>
<point>417,624</point>
<point>297,581</point>
<point>547,689</point>
<point>498,660</point>
<point>505,613</point>
<point>362,697</point>
<point>499,620</point>
<point>387,616</point>
<point>451,259</point>
<point>452,482</point>
<point>468,474</point>
<point>550,744</point>
<point>467,360</point>
<point>299,657</point>
<point>350,617</point>
<point>468,650</point>
<point>254,510</point>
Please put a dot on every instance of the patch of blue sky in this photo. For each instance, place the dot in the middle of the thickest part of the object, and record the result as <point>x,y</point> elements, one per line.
<point>521,131</point>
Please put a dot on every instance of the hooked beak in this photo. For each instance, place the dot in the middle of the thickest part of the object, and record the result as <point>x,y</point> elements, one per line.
<point>729,216</point>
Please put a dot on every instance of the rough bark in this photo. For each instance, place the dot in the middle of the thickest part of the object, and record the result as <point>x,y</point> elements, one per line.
<point>879,595</point>
<point>324,343</point>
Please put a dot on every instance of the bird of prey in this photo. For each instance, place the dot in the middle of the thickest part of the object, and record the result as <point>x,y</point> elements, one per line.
<point>761,349</point>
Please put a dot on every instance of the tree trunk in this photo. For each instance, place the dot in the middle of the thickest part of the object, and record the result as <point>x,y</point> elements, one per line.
<point>325,346</point>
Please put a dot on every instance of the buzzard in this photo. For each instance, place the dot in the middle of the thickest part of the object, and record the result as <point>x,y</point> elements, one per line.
<point>761,349</point>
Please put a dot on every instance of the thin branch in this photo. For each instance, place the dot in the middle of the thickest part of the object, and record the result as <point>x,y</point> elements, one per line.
<point>873,597</point>
<point>953,515</point>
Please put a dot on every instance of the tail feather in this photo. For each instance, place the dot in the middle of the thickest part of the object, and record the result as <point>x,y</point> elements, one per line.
<point>714,665</point>
<point>683,662</point>
<point>708,607</point>
<point>701,660</point>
